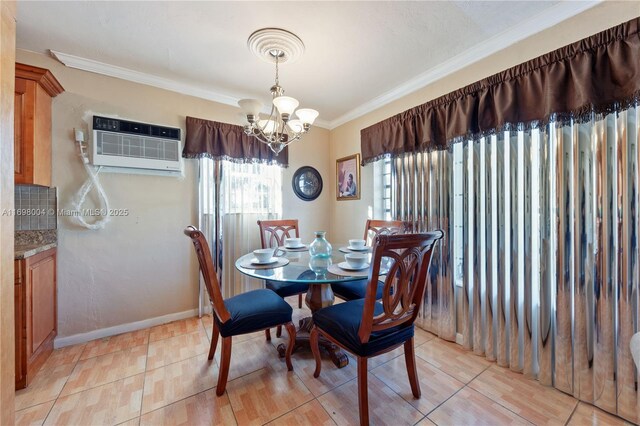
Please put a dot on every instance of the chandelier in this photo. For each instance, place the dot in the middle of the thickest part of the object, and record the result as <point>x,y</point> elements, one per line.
<point>281,127</point>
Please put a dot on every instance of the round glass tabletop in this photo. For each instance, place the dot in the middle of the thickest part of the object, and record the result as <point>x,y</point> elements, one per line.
<point>300,269</point>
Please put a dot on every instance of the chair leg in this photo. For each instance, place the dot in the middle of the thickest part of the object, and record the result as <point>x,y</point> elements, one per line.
<point>300,301</point>
<point>315,348</point>
<point>363,392</point>
<point>410,360</point>
<point>279,331</point>
<point>225,359</point>
<point>214,339</point>
<point>267,334</point>
<point>291,330</point>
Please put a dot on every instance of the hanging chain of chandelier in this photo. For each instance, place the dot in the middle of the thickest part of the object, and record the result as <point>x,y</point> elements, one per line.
<point>281,127</point>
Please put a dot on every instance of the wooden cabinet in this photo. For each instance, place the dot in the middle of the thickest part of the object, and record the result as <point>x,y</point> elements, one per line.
<point>36,313</point>
<point>34,89</point>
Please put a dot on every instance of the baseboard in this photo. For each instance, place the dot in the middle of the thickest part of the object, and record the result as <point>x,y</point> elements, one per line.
<point>61,342</point>
<point>459,338</point>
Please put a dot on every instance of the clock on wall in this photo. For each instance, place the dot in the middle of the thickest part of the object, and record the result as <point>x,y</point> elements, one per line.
<point>307,183</point>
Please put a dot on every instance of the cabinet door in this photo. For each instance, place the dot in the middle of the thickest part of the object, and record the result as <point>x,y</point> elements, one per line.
<point>41,297</point>
<point>18,103</point>
<point>24,103</point>
<point>21,359</point>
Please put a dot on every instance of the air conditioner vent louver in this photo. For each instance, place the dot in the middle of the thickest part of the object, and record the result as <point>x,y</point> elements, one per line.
<point>137,147</point>
<point>115,144</point>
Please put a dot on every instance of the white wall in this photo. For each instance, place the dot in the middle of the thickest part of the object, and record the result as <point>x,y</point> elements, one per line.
<point>312,150</point>
<point>140,266</point>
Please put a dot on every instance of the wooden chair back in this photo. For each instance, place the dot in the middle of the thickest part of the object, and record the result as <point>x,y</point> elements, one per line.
<point>374,228</point>
<point>405,281</point>
<point>208,273</point>
<point>273,232</point>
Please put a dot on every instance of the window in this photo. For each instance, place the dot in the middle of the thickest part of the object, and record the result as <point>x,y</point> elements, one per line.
<point>382,189</point>
<point>251,188</point>
<point>246,193</point>
<point>458,206</point>
<point>386,189</point>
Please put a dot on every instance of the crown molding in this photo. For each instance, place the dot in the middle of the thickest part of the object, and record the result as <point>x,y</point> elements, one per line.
<point>538,23</point>
<point>42,76</point>
<point>97,67</point>
<point>122,73</point>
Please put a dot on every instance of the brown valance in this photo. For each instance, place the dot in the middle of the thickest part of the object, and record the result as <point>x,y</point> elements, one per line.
<point>598,74</point>
<point>223,141</point>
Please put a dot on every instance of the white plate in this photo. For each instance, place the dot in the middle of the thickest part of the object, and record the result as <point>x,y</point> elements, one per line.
<point>358,249</point>
<point>347,267</point>
<point>295,247</point>
<point>255,261</point>
<point>346,249</point>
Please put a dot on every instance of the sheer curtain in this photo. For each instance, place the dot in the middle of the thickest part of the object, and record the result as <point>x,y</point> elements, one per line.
<point>543,229</point>
<point>233,197</point>
<point>249,192</point>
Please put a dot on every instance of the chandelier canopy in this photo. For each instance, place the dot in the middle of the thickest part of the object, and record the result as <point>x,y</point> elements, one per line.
<point>281,127</point>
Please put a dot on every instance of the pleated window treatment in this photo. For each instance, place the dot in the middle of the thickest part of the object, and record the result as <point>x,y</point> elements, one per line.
<point>233,197</point>
<point>533,175</point>
<point>598,74</point>
<point>224,141</point>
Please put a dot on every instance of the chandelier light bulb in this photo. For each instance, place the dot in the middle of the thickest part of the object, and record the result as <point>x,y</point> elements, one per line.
<point>242,119</point>
<point>268,126</point>
<point>250,107</point>
<point>307,115</point>
<point>296,126</point>
<point>285,104</point>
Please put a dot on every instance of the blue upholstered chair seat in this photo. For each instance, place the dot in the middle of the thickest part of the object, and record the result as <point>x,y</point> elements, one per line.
<point>342,322</point>
<point>254,310</point>
<point>352,290</point>
<point>285,289</point>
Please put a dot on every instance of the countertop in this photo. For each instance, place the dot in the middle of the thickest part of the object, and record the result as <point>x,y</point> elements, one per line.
<point>28,243</point>
<point>24,251</point>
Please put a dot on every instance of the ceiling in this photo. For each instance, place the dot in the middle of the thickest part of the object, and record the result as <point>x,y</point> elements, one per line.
<point>358,54</point>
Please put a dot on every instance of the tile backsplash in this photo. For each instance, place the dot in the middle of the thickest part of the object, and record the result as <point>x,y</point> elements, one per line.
<point>35,207</point>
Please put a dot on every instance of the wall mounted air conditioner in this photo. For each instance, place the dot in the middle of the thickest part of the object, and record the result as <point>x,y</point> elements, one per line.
<point>121,143</point>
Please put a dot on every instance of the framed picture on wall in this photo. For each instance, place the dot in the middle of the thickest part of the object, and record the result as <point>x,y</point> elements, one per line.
<point>348,178</point>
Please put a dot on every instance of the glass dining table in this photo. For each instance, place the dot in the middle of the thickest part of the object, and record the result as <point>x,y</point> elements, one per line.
<point>319,273</point>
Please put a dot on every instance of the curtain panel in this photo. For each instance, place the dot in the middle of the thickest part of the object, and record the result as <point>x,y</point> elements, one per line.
<point>543,233</point>
<point>232,198</point>
<point>223,141</point>
<point>598,74</point>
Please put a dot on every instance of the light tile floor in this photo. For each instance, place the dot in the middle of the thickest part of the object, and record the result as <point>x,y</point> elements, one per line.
<point>161,376</point>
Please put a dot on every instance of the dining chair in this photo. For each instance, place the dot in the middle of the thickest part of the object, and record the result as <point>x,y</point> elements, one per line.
<point>245,313</point>
<point>376,227</point>
<point>368,327</point>
<point>356,289</point>
<point>273,234</point>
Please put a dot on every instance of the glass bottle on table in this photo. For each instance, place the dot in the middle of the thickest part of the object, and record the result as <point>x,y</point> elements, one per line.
<point>320,265</point>
<point>320,247</point>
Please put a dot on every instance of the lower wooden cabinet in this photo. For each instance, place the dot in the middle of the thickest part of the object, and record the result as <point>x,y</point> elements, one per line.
<point>36,313</point>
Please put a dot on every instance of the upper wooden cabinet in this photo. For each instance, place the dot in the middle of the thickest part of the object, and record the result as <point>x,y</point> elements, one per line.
<point>35,87</point>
